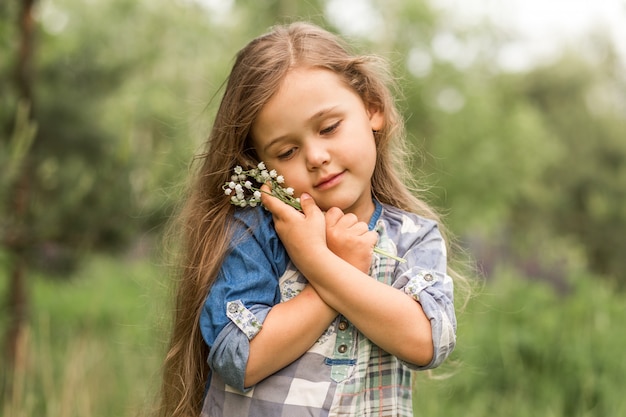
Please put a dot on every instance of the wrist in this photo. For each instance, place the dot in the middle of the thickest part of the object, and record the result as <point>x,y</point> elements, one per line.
<point>323,308</point>
<point>312,259</point>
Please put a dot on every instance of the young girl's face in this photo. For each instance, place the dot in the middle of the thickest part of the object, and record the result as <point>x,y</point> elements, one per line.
<point>317,133</point>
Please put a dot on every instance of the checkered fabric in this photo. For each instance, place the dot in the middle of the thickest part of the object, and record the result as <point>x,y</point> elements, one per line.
<point>344,373</point>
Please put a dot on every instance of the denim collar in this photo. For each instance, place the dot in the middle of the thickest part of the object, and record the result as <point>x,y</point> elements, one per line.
<point>378,209</point>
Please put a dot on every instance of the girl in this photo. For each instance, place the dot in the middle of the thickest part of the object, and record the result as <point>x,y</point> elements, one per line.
<point>288,313</point>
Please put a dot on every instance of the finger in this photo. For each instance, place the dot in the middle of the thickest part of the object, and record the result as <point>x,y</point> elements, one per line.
<point>372,237</point>
<point>309,208</point>
<point>265,188</point>
<point>333,215</point>
<point>360,228</point>
<point>273,204</point>
<point>348,220</point>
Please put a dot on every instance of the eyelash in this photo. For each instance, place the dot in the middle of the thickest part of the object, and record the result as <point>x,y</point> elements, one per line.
<point>286,155</point>
<point>330,129</point>
<point>326,131</point>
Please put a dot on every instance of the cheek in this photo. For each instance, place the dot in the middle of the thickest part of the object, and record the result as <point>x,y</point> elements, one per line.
<point>365,151</point>
<point>293,176</point>
<point>297,181</point>
<point>368,158</point>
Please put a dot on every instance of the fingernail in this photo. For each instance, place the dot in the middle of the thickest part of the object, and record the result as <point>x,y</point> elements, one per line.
<point>304,196</point>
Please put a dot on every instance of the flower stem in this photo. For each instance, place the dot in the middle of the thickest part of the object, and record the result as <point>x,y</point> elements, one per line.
<point>285,200</point>
<point>387,254</point>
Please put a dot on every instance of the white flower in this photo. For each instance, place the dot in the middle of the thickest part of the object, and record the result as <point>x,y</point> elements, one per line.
<point>244,187</point>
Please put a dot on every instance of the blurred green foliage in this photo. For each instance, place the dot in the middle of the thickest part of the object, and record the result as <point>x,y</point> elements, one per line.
<point>528,168</point>
<point>96,340</point>
<point>94,344</point>
<point>125,90</point>
<point>526,350</point>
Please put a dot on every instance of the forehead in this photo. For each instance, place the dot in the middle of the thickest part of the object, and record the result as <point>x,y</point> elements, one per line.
<point>303,93</point>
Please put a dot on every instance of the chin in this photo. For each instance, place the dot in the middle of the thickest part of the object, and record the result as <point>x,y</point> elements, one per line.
<point>343,207</point>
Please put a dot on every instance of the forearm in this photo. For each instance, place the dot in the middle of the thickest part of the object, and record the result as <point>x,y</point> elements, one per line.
<point>387,316</point>
<point>289,330</point>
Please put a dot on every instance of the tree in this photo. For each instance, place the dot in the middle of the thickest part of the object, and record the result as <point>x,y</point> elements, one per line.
<point>16,184</point>
<point>581,194</point>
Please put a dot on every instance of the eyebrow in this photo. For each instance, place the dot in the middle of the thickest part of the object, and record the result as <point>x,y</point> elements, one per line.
<point>322,113</point>
<point>318,115</point>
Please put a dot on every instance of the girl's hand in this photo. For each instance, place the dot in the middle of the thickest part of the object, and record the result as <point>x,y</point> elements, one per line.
<point>302,233</point>
<point>350,239</point>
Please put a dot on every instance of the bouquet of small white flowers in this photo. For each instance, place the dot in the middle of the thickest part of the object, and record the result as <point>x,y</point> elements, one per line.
<point>244,192</point>
<point>244,189</point>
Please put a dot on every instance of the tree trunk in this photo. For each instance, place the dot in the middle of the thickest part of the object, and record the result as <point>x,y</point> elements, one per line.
<point>17,240</point>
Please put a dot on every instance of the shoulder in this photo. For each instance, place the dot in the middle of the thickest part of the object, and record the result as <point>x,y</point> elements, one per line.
<point>408,230</point>
<point>253,229</point>
<point>402,222</point>
<point>255,220</point>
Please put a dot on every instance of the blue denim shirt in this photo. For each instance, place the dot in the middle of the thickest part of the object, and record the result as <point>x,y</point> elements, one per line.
<point>247,285</point>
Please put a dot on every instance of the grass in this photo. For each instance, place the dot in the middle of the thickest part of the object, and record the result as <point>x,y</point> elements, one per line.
<point>95,340</point>
<point>94,344</point>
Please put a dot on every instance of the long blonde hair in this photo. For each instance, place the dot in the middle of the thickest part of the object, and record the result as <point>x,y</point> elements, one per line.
<point>204,221</point>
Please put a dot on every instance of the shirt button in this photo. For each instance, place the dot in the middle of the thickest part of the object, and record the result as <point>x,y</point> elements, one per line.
<point>233,308</point>
<point>343,325</point>
<point>428,277</point>
<point>342,348</point>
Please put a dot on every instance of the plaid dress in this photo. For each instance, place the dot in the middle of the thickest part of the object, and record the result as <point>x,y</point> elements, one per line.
<point>344,373</point>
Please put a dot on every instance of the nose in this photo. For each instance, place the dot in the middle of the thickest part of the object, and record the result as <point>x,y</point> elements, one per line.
<point>317,155</point>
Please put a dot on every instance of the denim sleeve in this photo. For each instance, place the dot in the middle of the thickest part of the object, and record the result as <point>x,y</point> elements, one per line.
<point>244,291</point>
<point>423,277</point>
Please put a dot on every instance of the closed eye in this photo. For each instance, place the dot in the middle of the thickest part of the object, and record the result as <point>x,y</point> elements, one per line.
<point>330,129</point>
<point>287,154</point>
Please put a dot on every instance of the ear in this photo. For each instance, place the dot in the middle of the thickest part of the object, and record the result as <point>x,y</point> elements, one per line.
<point>377,118</point>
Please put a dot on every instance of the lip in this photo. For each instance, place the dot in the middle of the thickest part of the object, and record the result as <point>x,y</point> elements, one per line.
<point>329,181</point>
